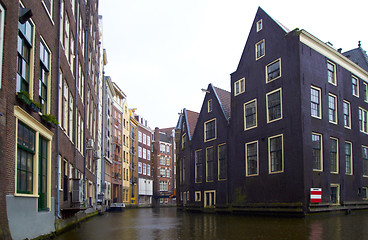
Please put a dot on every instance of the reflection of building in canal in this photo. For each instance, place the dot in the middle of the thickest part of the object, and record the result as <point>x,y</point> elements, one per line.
<point>290,137</point>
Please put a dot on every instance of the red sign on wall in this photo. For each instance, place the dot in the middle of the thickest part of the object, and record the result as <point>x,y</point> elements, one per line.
<point>315,195</point>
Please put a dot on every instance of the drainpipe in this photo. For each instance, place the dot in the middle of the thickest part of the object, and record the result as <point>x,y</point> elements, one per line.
<point>58,127</point>
<point>86,33</point>
<point>103,133</point>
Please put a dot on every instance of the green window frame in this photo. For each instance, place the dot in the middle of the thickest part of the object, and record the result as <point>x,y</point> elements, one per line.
<point>25,158</point>
<point>44,76</point>
<point>25,37</point>
<point>42,174</point>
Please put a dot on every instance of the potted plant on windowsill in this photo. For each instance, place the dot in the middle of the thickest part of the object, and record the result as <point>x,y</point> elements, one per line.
<point>35,106</point>
<point>24,97</point>
<point>50,119</point>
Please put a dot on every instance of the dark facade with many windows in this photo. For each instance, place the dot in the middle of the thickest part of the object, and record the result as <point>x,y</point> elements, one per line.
<point>298,122</point>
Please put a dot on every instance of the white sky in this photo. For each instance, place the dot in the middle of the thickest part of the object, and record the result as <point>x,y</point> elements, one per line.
<point>162,52</point>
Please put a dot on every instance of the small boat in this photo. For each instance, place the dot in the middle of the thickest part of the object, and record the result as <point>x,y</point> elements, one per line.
<point>116,207</point>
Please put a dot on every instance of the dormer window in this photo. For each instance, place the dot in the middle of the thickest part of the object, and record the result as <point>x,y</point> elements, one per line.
<point>259,25</point>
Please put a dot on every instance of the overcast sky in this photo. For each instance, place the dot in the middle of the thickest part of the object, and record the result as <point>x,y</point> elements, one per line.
<point>162,52</point>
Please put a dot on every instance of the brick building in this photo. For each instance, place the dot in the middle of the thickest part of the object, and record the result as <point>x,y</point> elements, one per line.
<point>28,90</point>
<point>164,166</point>
<point>298,123</point>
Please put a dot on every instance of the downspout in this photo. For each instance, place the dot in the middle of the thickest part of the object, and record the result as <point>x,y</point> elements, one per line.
<point>86,32</point>
<point>103,133</point>
<point>76,69</point>
<point>57,117</point>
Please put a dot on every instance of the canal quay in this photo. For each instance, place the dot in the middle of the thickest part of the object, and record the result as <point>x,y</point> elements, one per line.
<point>169,223</point>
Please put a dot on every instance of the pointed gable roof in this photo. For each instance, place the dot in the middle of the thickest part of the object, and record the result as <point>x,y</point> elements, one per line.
<point>191,120</point>
<point>358,56</point>
<point>224,98</point>
<point>273,26</point>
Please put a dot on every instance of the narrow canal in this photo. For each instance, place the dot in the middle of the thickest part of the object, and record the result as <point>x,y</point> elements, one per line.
<point>168,223</point>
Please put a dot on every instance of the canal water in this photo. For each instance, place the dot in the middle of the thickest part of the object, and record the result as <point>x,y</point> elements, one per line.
<point>168,223</point>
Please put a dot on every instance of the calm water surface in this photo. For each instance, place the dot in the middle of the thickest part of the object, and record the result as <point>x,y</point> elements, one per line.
<point>168,223</point>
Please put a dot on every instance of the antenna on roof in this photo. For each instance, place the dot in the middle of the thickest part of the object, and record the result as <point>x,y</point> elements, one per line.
<point>359,44</point>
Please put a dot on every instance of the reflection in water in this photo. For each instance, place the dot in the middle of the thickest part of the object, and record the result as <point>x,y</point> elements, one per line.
<point>168,223</point>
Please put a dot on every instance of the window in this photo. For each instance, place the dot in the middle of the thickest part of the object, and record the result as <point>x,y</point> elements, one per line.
<point>139,167</point>
<point>332,108</point>
<point>222,162</point>
<point>65,107</point>
<point>239,87</point>
<point>363,120</point>
<point>251,158</point>
<point>315,102</point>
<point>42,174</point>
<point>364,193</point>
<point>355,86</point>
<point>365,160</point>
<point>139,136</point>
<point>209,198</point>
<point>144,139</point>
<point>144,169</point>
<point>148,155</point>
<point>183,141</point>
<point>61,30</point>
<point>331,73</point>
<point>273,70</point>
<point>317,151</point>
<point>25,44</point>
<point>148,140</point>
<point>335,194</point>
<point>197,195</point>
<point>260,49</point>
<point>209,105</point>
<point>33,159</point>
<point>275,154</point>
<point>259,25</point>
<point>25,158</point>
<point>198,166</point>
<point>348,158</point>
<point>250,114</point>
<point>209,164</point>
<point>210,130</point>
<point>2,24</point>
<point>139,151</point>
<point>274,108</point>
<point>365,92</point>
<point>162,148</point>
<point>48,6</point>
<point>168,149</point>
<point>144,153</point>
<point>334,155</point>
<point>44,76</point>
<point>347,117</point>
